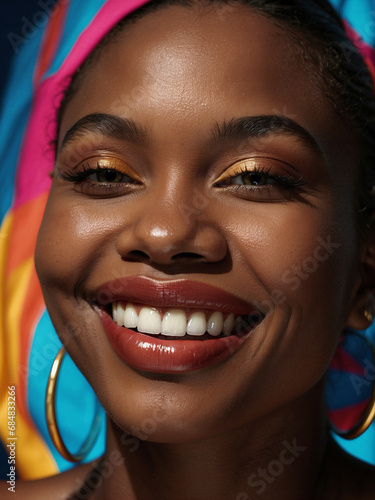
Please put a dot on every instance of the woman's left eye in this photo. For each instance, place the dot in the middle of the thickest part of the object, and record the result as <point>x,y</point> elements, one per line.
<point>260,176</point>
<point>253,179</point>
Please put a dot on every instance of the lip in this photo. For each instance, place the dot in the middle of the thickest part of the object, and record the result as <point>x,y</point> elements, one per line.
<point>151,353</point>
<point>176,293</point>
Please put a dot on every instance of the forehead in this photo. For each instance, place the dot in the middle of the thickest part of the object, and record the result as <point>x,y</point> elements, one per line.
<point>179,47</point>
<point>182,69</point>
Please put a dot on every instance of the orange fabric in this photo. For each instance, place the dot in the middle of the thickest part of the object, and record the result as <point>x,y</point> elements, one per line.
<point>26,220</point>
<point>21,304</point>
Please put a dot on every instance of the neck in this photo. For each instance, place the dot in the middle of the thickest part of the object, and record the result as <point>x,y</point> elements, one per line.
<point>279,457</point>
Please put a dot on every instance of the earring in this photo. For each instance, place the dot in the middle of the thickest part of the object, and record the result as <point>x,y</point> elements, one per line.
<point>52,426</point>
<point>368,315</point>
<point>369,312</point>
<point>350,387</point>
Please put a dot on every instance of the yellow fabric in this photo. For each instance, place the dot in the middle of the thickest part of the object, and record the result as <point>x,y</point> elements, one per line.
<point>30,447</point>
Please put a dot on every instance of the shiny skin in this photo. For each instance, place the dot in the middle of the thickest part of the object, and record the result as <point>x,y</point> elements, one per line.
<point>177,73</point>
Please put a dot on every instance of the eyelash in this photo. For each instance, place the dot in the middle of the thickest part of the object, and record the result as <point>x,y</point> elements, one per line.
<point>285,181</point>
<point>87,170</point>
<point>280,186</point>
<point>96,188</point>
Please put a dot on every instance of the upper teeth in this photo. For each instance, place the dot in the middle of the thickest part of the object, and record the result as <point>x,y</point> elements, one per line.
<point>174,322</point>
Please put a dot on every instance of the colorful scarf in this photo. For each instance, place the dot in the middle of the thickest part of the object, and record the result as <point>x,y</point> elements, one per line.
<point>28,341</point>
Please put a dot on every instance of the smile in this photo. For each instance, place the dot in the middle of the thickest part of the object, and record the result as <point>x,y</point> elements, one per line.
<point>181,323</point>
<point>173,326</point>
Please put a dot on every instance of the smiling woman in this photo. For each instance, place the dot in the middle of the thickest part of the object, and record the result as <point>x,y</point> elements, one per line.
<point>183,206</point>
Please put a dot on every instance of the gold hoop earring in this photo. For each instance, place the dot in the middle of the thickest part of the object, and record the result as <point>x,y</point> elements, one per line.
<point>368,315</point>
<point>52,426</point>
<point>346,390</point>
<point>369,311</point>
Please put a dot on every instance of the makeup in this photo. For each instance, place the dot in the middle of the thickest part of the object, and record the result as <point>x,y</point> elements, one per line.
<point>164,320</point>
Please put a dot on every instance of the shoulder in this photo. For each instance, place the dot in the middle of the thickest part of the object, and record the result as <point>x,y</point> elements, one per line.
<point>59,487</point>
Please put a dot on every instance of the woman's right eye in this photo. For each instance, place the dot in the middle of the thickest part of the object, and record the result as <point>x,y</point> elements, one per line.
<point>109,176</point>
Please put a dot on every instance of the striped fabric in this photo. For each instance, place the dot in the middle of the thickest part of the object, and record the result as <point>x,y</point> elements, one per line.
<point>349,384</point>
<point>28,342</point>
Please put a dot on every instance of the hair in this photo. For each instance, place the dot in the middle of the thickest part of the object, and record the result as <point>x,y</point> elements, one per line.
<point>322,43</point>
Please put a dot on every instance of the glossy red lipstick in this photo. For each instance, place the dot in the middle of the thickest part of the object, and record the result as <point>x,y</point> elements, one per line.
<point>176,293</point>
<point>152,353</point>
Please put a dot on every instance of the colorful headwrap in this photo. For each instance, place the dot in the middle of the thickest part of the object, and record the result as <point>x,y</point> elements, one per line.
<point>28,341</point>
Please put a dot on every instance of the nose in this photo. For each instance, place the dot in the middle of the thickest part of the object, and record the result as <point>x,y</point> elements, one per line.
<point>170,231</point>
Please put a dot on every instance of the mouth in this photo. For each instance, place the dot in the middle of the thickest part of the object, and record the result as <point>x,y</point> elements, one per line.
<point>173,326</point>
<point>178,323</point>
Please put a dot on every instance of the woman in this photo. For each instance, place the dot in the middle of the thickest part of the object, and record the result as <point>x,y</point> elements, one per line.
<point>212,181</point>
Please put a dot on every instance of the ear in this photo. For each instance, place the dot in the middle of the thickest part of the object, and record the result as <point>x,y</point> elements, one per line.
<point>362,307</point>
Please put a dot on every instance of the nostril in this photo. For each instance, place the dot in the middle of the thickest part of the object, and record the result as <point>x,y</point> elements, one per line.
<point>143,256</point>
<point>138,255</point>
<point>187,255</point>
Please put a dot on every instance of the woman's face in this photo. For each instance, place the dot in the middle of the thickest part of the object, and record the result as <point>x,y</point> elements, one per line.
<point>211,182</point>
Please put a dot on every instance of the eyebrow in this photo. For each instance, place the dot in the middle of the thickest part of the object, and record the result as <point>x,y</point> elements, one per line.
<point>260,126</point>
<point>108,125</point>
<point>242,128</point>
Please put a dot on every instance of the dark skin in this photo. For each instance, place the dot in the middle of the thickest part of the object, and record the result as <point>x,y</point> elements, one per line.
<point>177,73</point>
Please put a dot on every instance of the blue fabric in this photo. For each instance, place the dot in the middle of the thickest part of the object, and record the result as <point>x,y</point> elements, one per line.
<point>75,401</point>
<point>361,16</point>
<point>362,447</point>
<point>80,15</point>
<point>14,113</point>
<point>355,386</point>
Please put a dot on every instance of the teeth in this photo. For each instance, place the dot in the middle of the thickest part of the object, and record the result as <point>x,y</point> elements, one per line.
<point>228,325</point>
<point>174,322</point>
<point>130,317</point>
<point>197,324</point>
<point>215,323</point>
<point>149,321</point>
<point>120,315</point>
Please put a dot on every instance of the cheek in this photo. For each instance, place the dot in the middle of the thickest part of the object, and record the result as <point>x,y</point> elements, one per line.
<point>70,240</point>
<point>298,254</point>
<point>298,261</point>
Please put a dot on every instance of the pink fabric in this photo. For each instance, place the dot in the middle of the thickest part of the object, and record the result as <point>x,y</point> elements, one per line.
<point>41,128</point>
